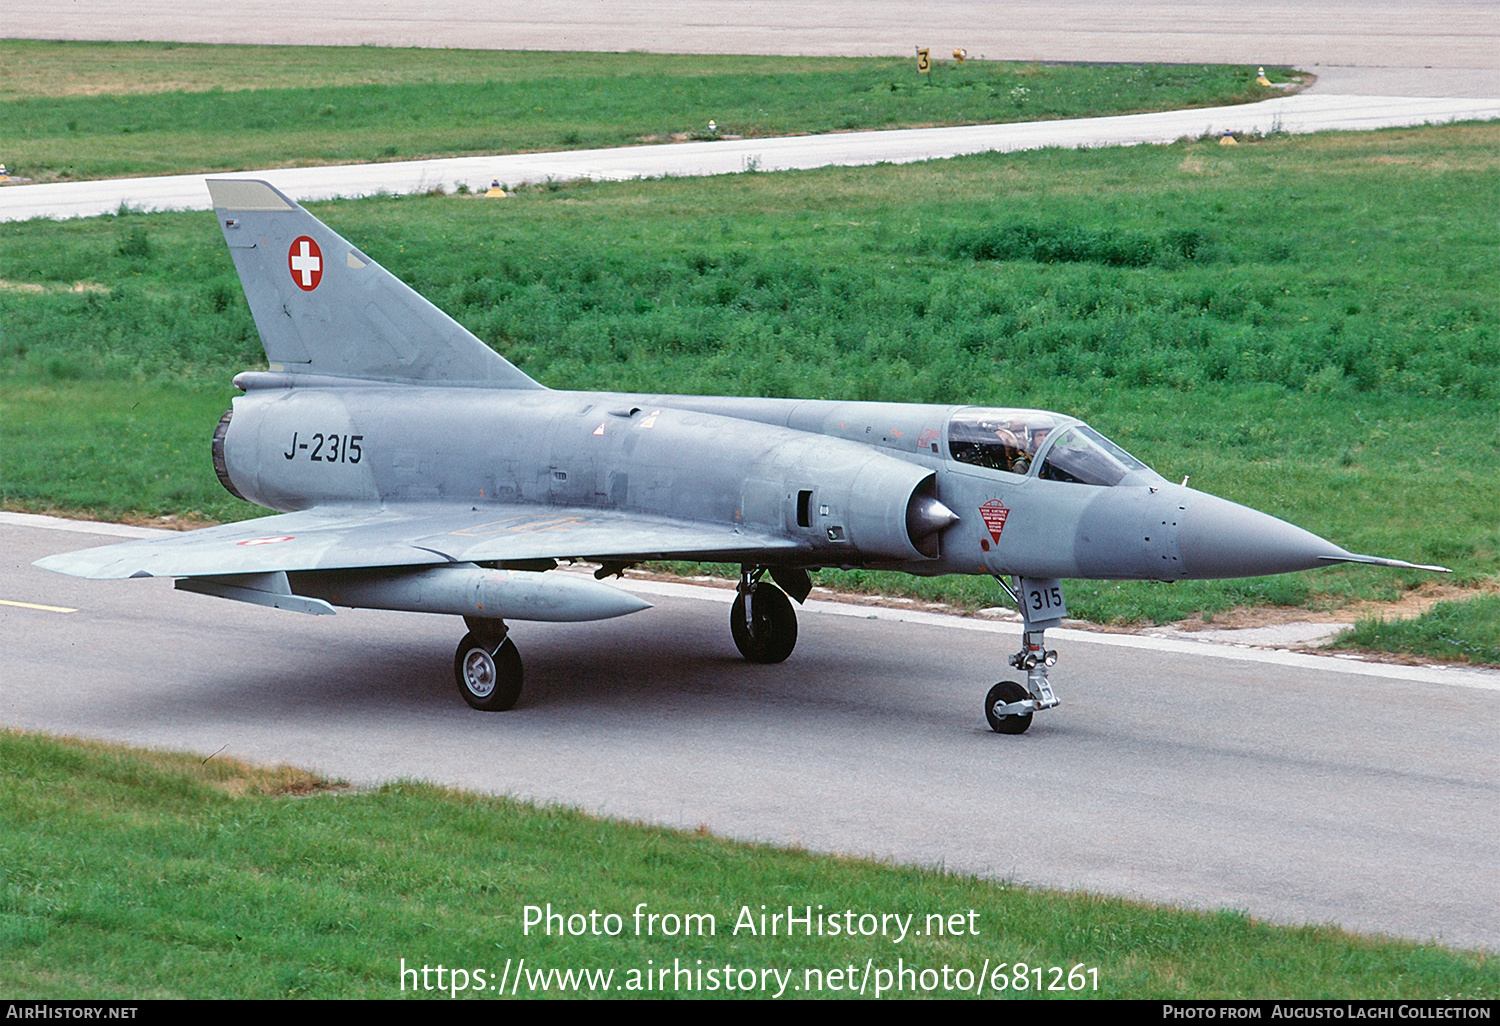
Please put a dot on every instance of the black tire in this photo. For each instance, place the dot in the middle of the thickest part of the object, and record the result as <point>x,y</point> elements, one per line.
<point>1006,691</point>
<point>488,673</point>
<point>769,633</point>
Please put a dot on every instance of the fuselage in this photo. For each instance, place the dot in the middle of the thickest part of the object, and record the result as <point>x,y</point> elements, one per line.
<point>925,489</point>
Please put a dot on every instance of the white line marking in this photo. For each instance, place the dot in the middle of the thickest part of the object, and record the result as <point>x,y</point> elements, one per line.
<point>33,605</point>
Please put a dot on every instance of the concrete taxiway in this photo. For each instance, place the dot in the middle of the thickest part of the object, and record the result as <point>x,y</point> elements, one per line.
<point>1298,788</point>
<point>1292,114</point>
<point>1451,46</point>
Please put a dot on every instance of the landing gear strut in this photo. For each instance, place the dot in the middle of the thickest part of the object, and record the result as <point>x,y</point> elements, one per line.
<point>1009,707</point>
<point>762,620</point>
<point>487,666</point>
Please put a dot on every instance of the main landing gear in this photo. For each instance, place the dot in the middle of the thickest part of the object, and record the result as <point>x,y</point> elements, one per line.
<point>487,666</point>
<point>762,620</point>
<point>1009,707</point>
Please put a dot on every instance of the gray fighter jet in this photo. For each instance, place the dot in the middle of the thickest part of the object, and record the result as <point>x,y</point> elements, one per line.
<point>419,470</point>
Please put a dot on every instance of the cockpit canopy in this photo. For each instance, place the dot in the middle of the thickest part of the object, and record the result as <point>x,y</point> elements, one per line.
<point>1015,440</point>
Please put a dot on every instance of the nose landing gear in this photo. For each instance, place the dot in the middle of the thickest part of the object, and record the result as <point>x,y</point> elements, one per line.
<point>1009,707</point>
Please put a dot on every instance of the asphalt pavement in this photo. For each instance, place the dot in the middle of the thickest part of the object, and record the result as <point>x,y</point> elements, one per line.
<point>1298,788</point>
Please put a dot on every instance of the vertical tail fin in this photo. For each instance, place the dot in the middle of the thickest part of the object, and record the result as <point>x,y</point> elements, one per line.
<point>323,307</point>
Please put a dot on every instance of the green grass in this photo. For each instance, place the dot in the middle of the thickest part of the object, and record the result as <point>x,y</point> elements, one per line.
<point>96,110</point>
<point>113,449</point>
<point>1466,632</point>
<point>129,875</point>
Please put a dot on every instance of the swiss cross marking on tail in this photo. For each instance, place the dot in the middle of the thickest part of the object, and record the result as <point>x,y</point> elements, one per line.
<point>305,260</point>
<point>994,514</point>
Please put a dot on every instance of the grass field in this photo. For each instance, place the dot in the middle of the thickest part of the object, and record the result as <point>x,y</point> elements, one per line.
<point>1456,631</point>
<point>99,110</point>
<point>1305,325</point>
<point>136,875</point>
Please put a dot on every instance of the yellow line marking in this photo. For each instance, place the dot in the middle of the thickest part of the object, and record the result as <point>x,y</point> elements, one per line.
<point>33,605</point>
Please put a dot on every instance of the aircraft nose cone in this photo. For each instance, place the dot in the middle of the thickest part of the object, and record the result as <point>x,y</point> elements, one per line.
<point>1219,538</point>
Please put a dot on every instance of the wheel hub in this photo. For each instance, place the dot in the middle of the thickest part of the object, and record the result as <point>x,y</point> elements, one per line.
<point>479,673</point>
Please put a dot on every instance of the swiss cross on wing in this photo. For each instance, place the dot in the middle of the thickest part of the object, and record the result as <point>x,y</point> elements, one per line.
<point>305,260</point>
<point>994,514</point>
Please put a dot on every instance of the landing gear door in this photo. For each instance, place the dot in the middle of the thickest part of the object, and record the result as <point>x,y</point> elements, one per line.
<point>1042,603</point>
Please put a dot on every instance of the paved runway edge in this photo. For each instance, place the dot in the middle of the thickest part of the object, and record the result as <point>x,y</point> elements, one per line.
<point>1299,114</point>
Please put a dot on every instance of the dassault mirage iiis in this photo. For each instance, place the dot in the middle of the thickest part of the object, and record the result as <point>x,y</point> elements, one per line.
<point>419,470</point>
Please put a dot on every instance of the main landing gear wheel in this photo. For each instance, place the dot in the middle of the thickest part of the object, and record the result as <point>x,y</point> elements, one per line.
<point>1001,694</point>
<point>488,672</point>
<point>767,632</point>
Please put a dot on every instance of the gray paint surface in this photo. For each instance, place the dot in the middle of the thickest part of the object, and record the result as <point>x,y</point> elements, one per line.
<point>393,437</point>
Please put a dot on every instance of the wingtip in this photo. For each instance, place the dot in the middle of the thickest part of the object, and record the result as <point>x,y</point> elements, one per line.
<point>89,564</point>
